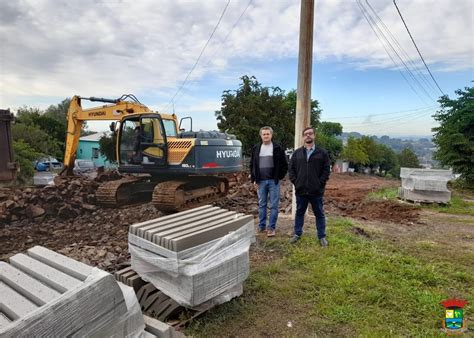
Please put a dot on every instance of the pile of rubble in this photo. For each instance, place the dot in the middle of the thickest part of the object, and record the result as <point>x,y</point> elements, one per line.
<point>68,199</point>
<point>242,196</point>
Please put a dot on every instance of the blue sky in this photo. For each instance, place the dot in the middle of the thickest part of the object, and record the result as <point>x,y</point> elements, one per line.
<point>56,49</point>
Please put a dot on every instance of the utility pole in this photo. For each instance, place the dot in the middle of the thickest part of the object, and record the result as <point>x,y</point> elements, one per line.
<point>305,66</point>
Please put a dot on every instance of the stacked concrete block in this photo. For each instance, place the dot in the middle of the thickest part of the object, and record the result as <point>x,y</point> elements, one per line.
<point>152,301</point>
<point>195,255</point>
<point>425,185</point>
<point>47,294</point>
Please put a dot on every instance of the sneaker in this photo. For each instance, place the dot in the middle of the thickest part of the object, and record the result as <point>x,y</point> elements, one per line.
<point>261,230</point>
<point>294,239</point>
<point>271,233</point>
<point>323,241</point>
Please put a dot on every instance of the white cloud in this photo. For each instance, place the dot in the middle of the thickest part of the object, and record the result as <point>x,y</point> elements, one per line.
<point>107,48</point>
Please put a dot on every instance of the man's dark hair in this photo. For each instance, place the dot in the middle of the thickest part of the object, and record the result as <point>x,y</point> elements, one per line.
<point>307,128</point>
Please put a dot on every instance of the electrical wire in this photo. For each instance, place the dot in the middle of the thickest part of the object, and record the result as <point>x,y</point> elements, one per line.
<point>200,54</point>
<point>402,50</point>
<point>405,117</point>
<point>218,49</point>
<point>419,53</point>
<point>385,41</point>
<point>383,114</point>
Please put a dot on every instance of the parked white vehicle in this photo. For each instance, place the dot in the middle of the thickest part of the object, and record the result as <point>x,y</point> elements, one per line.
<point>84,168</point>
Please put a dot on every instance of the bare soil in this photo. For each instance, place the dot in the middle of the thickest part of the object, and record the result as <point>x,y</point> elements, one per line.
<point>73,225</point>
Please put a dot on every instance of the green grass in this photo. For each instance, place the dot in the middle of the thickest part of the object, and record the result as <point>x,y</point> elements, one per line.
<point>383,194</point>
<point>456,206</point>
<point>355,286</point>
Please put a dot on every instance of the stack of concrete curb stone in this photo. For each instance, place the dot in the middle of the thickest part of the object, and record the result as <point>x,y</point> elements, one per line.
<point>152,301</point>
<point>195,255</point>
<point>44,293</point>
<point>425,185</point>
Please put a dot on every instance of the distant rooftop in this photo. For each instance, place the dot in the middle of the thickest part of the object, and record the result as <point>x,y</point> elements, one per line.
<point>93,137</point>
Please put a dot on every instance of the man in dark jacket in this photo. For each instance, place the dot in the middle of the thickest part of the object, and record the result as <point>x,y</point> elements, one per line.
<point>309,172</point>
<point>267,167</point>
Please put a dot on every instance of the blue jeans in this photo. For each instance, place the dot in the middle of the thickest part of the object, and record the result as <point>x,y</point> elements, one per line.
<point>265,188</point>
<point>302,202</point>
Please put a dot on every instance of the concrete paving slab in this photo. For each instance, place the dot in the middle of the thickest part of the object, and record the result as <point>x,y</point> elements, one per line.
<point>156,327</point>
<point>145,292</point>
<point>76,314</point>
<point>167,241</point>
<point>188,224</point>
<point>136,282</point>
<point>60,262</point>
<point>29,287</point>
<point>13,304</point>
<point>405,172</point>
<point>167,309</point>
<point>194,239</point>
<point>119,273</point>
<point>153,300</point>
<point>140,228</point>
<point>126,275</point>
<point>424,196</point>
<point>184,221</point>
<point>4,321</point>
<point>44,273</point>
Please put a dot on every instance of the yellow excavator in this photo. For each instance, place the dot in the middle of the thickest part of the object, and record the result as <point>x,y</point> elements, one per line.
<point>176,169</point>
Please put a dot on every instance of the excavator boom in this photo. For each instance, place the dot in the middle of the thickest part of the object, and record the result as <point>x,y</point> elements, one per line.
<point>76,117</point>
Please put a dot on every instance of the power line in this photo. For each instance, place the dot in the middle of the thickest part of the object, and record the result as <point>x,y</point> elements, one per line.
<point>383,114</point>
<point>200,54</point>
<point>400,48</point>
<point>383,40</point>
<point>218,49</point>
<point>392,119</point>
<point>419,53</point>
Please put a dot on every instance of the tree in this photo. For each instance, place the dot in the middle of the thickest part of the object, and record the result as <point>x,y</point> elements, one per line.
<point>290,100</point>
<point>372,150</point>
<point>454,137</point>
<point>25,156</point>
<point>326,133</point>
<point>245,110</point>
<point>389,160</point>
<point>107,146</point>
<point>408,159</point>
<point>354,152</point>
<point>37,139</point>
<point>330,128</point>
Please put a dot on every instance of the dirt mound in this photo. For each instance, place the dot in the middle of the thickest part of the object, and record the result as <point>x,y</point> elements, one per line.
<point>346,195</point>
<point>68,199</point>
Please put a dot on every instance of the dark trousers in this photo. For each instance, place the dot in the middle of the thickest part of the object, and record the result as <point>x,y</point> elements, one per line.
<point>302,202</point>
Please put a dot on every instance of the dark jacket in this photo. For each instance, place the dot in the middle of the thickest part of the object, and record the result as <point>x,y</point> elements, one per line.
<point>280,166</point>
<point>309,176</point>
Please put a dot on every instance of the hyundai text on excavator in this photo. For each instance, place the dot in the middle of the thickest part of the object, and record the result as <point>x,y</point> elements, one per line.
<point>175,169</point>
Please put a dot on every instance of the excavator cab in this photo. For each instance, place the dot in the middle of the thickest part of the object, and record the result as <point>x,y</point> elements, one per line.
<point>142,141</point>
<point>175,170</point>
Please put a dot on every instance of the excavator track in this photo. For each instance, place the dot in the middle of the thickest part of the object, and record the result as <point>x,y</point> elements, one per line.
<point>127,190</point>
<point>174,196</point>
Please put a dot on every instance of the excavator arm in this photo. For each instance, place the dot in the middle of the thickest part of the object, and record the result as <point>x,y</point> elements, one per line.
<point>115,111</point>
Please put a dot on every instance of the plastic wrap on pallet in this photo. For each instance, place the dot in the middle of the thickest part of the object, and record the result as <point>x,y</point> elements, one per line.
<point>89,309</point>
<point>199,274</point>
<point>425,185</point>
<point>131,323</point>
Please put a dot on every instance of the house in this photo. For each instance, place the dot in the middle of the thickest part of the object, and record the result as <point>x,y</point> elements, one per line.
<point>88,149</point>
